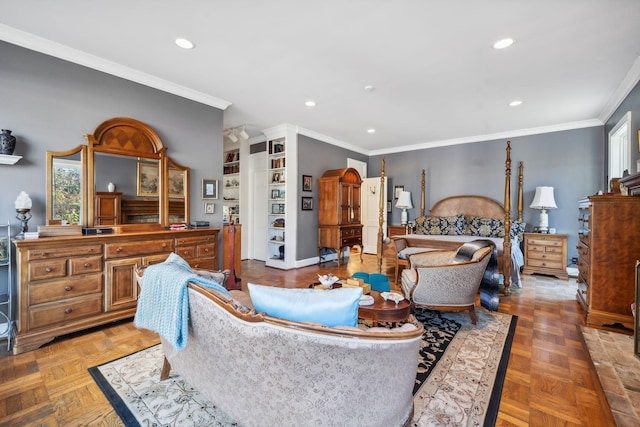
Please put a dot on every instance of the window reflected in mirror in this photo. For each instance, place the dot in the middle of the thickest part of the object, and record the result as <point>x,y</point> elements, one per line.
<point>67,190</point>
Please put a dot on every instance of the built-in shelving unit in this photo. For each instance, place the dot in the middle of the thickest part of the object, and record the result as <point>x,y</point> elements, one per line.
<point>231,187</point>
<point>282,190</point>
<point>7,329</point>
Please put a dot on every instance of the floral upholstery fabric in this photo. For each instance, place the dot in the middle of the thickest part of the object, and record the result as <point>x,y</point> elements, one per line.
<point>440,225</point>
<point>266,374</point>
<point>493,227</point>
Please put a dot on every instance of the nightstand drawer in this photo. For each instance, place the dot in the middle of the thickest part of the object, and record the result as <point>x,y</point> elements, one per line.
<point>545,263</point>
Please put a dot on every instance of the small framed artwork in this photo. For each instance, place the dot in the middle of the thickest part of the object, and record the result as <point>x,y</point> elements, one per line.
<point>147,179</point>
<point>397,190</point>
<point>307,203</point>
<point>209,189</point>
<point>388,206</point>
<point>275,194</point>
<point>209,207</point>
<point>275,178</point>
<point>306,182</point>
<point>275,208</point>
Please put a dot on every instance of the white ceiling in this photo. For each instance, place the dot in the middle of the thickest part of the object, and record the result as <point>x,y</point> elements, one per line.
<point>437,79</point>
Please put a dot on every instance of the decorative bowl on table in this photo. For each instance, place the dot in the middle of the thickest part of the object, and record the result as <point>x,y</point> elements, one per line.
<point>392,296</point>
<point>327,280</point>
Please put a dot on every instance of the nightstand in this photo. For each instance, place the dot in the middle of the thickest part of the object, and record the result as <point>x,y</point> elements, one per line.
<point>545,254</point>
<point>398,230</point>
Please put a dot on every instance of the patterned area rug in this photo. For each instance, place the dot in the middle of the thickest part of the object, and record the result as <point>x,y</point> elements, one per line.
<point>459,378</point>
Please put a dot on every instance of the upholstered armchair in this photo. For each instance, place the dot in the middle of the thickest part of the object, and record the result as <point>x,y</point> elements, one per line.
<point>436,280</point>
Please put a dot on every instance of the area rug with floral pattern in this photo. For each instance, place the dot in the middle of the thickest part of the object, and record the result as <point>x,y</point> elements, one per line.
<point>459,378</point>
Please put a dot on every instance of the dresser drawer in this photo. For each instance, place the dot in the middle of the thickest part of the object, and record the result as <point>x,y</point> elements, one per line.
<point>204,263</point>
<point>351,232</point>
<point>195,240</point>
<point>544,242</point>
<point>129,249</point>
<point>352,241</point>
<point>545,263</point>
<point>550,256</point>
<point>54,252</point>
<point>186,252</point>
<point>48,269</point>
<point>86,265</point>
<point>206,250</point>
<point>60,312</point>
<point>64,289</point>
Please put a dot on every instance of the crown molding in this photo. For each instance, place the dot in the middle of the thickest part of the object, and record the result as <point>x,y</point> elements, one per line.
<point>48,47</point>
<point>490,137</point>
<point>622,91</point>
<point>332,141</point>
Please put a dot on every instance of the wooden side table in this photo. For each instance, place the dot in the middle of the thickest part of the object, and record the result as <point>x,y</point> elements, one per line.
<point>398,230</point>
<point>545,254</point>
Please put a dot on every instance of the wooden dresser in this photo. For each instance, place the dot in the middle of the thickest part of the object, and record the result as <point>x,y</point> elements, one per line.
<point>339,224</point>
<point>71,283</point>
<point>545,254</point>
<point>608,247</point>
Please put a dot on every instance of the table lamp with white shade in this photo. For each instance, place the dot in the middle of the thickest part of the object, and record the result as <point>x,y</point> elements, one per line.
<point>543,200</point>
<point>404,203</point>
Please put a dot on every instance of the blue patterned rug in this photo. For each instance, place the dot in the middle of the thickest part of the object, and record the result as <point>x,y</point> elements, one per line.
<point>458,381</point>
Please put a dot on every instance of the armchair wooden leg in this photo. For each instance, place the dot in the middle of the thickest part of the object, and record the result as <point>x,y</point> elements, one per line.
<point>474,317</point>
<point>166,369</point>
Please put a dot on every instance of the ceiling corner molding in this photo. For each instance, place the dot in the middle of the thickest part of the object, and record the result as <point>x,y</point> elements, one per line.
<point>622,91</point>
<point>332,141</point>
<point>490,137</point>
<point>48,47</point>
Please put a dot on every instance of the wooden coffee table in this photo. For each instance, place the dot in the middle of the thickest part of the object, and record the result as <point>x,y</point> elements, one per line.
<point>384,311</point>
<point>381,310</point>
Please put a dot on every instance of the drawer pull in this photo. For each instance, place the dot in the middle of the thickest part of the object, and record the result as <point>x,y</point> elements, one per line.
<point>68,288</point>
<point>48,269</point>
<point>68,310</point>
<point>196,266</point>
<point>119,249</point>
<point>186,253</point>
<point>87,265</point>
<point>164,244</point>
<point>206,250</point>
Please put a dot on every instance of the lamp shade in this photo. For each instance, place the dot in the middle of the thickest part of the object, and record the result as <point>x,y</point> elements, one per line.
<point>543,199</point>
<point>404,200</point>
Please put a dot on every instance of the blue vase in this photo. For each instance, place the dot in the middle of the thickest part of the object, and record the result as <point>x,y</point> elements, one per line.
<point>7,142</point>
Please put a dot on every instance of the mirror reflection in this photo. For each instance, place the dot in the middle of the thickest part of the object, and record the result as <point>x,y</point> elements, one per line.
<point>135,186</point>
<point>66,186</point>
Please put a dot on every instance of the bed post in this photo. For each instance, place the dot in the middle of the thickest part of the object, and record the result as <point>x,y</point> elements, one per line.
<point>520,179</point>
<point>422,195</point>
<point>381,208</point>
<point>506,246</point>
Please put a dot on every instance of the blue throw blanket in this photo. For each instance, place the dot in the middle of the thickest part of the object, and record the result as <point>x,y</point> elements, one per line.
<point>163,305</point>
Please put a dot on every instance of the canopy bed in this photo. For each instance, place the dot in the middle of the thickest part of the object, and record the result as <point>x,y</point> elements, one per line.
<point>456,220</point>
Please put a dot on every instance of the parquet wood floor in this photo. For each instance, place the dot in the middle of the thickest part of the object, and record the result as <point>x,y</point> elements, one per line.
<point>550,380</point>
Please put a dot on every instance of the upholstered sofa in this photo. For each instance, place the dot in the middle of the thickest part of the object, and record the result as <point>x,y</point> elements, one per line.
<point>265,371</point>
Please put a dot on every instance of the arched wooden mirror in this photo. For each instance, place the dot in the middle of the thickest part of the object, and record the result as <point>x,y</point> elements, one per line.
<point>67,186</point>
<point>130,155</point>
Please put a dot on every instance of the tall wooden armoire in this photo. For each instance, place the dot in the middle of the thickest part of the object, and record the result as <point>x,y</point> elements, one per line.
<point>339,220</point>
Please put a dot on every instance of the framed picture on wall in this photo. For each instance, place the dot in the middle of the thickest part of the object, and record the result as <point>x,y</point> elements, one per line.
<point>307,203</point>
<point>147,183</point>
<point>209,207</point>
<point>397,190</point>
<point>388,206</point>
<point>306,182</point>
<point>209,189</point>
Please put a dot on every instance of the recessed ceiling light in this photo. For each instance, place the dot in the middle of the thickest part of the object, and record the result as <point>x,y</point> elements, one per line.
<point>369,88</point>
<point>501,44</point>
<point>515,103</point>
<point>310,103</point>
<point>184,43</point>
<point>372,130</point>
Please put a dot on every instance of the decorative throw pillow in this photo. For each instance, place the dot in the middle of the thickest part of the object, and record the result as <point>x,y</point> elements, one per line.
<point>517,229</point>
<point>337,307</point>
<point>485,227</point>
<point>440,225</point>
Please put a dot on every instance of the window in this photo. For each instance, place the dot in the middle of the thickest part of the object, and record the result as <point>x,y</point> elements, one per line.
<point>619,147</point>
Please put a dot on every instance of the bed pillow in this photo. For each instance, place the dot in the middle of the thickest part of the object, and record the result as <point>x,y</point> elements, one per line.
<point>337,307</point>
<point>440,225</point>
<point>517,229</point>
<point>484,227</point>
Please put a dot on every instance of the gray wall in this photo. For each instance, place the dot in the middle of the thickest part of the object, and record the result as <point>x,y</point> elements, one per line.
<point>315,158</point>
<point>570,161</point>
<point>49,104</point>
